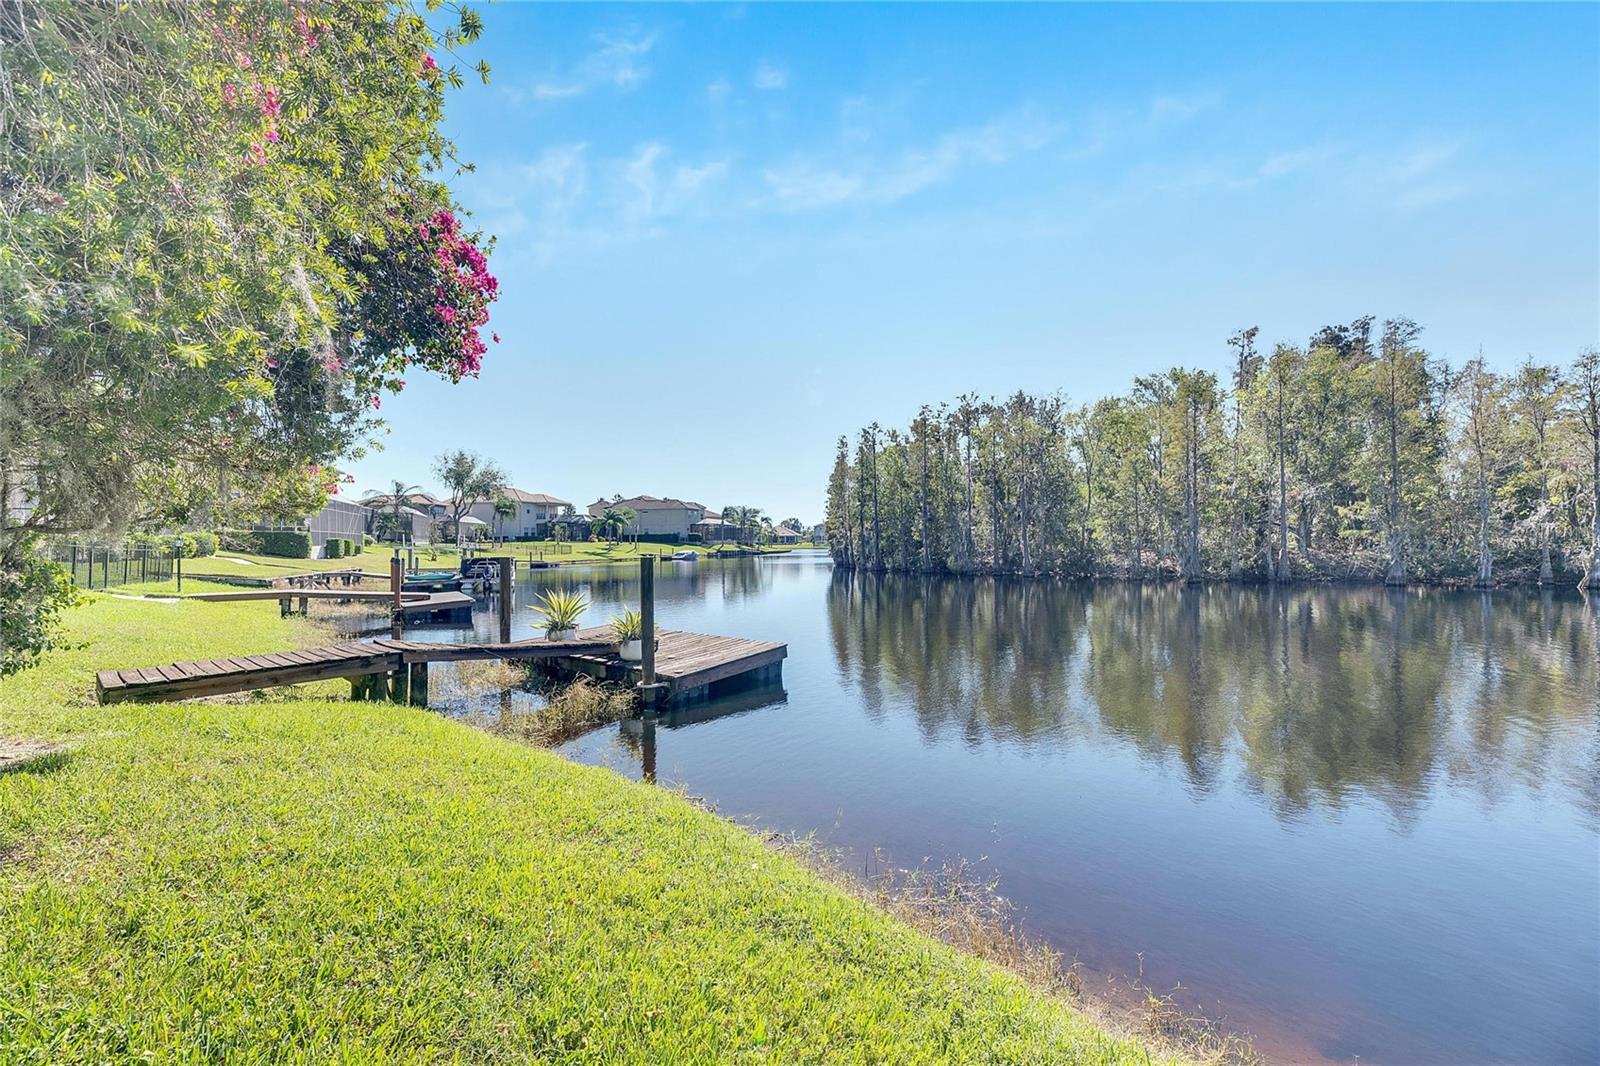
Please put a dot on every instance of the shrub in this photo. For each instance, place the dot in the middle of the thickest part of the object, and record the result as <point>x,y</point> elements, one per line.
<point>284,543</point>
<point>368,540</point>
<point>204,543</point>
<point>32,597</point>
<point>239,540</point>
<point>334,549</point>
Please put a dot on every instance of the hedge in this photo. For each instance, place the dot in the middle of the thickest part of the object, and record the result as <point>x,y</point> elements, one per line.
<point>284,543</point>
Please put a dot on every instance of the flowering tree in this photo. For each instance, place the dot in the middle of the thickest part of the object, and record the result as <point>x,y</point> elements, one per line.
<point>225,236</point>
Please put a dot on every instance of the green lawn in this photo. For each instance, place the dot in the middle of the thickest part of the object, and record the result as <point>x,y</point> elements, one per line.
<point>302,878</point>
<point>376,558</point>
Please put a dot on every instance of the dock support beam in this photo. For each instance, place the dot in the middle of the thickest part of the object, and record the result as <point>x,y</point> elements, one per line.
<point>647,617</point>
<point>507,589</point>
<point>397,619</point>
<point>419,684</point>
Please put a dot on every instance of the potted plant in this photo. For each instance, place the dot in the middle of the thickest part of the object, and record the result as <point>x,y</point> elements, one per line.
<point>561,612</point>
<point>629,629</point>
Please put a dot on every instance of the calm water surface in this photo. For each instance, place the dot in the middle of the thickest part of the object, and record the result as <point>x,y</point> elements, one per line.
<point>1353,822</point>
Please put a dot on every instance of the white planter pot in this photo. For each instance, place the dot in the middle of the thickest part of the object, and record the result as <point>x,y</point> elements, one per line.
<point>561,634</point>
<point>631,651</point>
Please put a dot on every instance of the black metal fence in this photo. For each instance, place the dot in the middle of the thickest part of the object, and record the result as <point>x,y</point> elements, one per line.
<point>103,566</point>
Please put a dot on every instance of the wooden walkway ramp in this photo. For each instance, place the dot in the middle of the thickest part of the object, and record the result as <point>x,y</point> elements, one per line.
<point>443,604</point>
<point>687,664</point>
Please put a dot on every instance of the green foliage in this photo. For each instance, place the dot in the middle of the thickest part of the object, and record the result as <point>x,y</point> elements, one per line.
<point>201,543</point>
<point>231,221</point>
<point>629,625</point>
<point>334,549</point>
<point>238,540</point>
<point>561,609</point>
<point>32,598</point>
<point>468,476</point>
<point>284,543</point>
<point>1357,456</point>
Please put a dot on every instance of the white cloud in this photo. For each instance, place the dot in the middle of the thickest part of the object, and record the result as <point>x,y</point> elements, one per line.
<point>674,190</point>
<point>805,184</point>
<point>717,91</point>
<point>770,76</point>
<point>619,60</point>
<point>1181,107</point>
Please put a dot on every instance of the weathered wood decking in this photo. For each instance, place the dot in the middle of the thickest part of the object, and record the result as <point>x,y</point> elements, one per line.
<point>411,603</point>
<point>687,664</point>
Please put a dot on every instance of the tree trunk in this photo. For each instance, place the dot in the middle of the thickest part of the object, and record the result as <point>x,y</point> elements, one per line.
<point>1396,574</point>
<point>1485,558</point>
<point>1591,580</point>
<point>1281,574</point>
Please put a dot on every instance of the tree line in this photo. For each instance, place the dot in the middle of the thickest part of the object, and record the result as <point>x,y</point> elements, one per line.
<point>1355,456</point>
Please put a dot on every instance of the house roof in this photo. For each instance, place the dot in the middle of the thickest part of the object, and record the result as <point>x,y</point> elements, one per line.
<point>713,520</point>
<point>518,496</point>
<point>648,503</point>
<point>788,529</point>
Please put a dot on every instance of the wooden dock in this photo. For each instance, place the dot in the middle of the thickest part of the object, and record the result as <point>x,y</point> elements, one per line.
<point>688,666</point>
<point>412,604</point>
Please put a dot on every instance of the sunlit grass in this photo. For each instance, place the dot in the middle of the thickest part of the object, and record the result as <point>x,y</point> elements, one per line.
<point>320,880</point>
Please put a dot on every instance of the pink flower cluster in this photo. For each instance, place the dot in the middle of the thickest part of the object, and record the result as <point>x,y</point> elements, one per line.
<point>306,32</point>
<point>464,292</point>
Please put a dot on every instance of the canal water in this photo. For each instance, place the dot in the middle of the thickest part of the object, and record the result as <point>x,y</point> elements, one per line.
<point>1355,823</point>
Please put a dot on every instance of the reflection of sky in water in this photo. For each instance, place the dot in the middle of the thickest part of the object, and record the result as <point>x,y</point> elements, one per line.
<point>1357,821</point>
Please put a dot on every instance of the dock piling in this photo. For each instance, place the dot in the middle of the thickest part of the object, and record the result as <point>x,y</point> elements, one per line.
<point>647,615</point>
<point>507,589</point>
<point>397,620</point>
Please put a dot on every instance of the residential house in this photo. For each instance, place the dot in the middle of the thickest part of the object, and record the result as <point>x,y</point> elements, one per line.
<point>532,513</point>
<point>661,519</point>
<point>422,517</point>
<point>338,520</point>
<point>819,533</point>
<point>787,535</point>
<point>714,529</point>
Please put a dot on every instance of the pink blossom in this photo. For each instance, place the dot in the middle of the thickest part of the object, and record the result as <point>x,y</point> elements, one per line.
<point>230,93</point>
<point>376,401</point>
<point>496,337</point>
<point>428,64</point>
<point>272,136</point>
<point>258,154</point>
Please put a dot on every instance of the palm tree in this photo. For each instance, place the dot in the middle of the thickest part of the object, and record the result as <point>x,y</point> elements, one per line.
<point>505,509</point>
<point>744,520</point>
<point>614,521</point>
<point>396,500</point>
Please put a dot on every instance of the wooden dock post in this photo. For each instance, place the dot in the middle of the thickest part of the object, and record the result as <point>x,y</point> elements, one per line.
<point>647,629</point>
<point>419,684</point>
<point>397,619</point>
<point>507,588</point>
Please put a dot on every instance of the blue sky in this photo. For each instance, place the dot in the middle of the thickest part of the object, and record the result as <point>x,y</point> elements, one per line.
<point>728,234</point>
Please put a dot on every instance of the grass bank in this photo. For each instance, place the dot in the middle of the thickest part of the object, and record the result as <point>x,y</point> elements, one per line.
<point>302,878</point>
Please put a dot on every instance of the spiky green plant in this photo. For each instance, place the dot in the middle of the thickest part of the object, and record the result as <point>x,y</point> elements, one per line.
<point>629,625</point>
<point>561,610</point>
